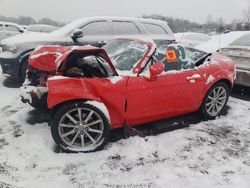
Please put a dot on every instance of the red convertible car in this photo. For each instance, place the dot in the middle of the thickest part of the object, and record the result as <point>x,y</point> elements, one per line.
<point>127,82</point>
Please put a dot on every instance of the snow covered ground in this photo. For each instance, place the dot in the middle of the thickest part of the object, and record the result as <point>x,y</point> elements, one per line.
<point>7,94</point>
<point>206,154</point>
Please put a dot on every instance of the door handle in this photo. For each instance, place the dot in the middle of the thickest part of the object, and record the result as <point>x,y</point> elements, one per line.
<point>102,42</point>
<point>193,78</point>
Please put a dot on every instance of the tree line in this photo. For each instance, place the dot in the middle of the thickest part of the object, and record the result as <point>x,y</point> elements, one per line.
<point>211,25</point>
<point>26,20</point>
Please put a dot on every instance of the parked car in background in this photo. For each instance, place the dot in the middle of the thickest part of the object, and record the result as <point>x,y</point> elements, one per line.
<point>24,27</point>
<point>8,29</point>
<point>220,41</point>
<point>127,82</point>
<point>239,52</point>
<point>43,28</point>
<point>191,39</point>
<point>95,31</point>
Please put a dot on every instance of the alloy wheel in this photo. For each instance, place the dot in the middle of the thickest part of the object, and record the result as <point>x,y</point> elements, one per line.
<point>216,101</point>
<point>81,128</point>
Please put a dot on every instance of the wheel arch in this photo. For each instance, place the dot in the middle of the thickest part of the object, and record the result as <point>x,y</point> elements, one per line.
<point>54,108</point>
<point>223,80</point>
<point>220,81</point>
<point>22,59</point>
<point>226,81</point>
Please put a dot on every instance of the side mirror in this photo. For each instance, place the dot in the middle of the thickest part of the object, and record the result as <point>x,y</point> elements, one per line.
<point>21,31</point>
<point>156,69</point>
<point>77,33</point>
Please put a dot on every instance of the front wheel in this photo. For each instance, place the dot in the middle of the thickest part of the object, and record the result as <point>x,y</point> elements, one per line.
<point>22,71</point>
<point>215,100</point>
<point>80,127</point>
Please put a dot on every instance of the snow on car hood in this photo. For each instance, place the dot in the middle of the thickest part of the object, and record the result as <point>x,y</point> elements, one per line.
<point>33,37</point>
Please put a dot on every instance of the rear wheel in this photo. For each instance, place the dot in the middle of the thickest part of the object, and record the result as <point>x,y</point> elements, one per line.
<point>215,100</point>
<point>80,127</point>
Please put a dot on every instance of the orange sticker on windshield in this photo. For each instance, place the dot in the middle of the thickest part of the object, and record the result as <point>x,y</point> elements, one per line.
<point>171,56</point>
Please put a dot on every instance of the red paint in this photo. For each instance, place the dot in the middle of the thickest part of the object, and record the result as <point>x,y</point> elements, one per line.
<point>50,58</point>
<point>102,90</point>
<point>138,100</point>
<point>156,69</point>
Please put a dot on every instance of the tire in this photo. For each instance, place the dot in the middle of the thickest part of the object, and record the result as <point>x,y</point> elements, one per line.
<point>22,71</point>
<point>215,100</point>
<point>73,136</point>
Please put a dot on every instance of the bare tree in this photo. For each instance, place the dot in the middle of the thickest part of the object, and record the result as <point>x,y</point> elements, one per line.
<point>246,15</point>
<point>210,25</point>
<point>49,22</point>
<point>209,19</point>
<point>25,20</point>
<point>220,24</point>
<point>246,18</point>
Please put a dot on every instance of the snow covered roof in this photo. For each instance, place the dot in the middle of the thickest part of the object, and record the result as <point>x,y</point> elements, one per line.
<point>10,23</point>
<point>80,22</point>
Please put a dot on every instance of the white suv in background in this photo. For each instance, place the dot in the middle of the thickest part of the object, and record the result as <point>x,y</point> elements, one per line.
<point>96,31</point>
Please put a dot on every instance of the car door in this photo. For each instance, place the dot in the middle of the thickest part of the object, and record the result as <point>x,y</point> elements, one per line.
<point>172,93</point>
<point>122,27</point>
<point>160,34</point>
<point>95,33</point>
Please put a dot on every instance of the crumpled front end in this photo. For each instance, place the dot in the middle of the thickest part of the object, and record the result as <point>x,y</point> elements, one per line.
<point>34,90</point>
<point>32,95</point>
<point>45,58</point>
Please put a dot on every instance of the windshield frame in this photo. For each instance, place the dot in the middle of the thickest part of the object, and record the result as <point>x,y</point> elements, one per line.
<point>139,65</point>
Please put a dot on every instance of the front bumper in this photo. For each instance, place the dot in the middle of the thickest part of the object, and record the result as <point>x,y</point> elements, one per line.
<point>32,95</point>
<point>243,77</point>
<point>10,66</point>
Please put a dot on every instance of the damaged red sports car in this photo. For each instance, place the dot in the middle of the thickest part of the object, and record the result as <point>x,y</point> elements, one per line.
<point>127,82</point>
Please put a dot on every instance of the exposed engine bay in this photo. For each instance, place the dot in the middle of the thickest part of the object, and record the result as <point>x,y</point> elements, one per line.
<point>86,66</point>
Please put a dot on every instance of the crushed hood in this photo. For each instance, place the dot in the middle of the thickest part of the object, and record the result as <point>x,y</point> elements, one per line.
<point>49,57</point>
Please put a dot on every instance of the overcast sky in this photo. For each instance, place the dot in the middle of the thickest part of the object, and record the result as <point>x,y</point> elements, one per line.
<point>68,10</point>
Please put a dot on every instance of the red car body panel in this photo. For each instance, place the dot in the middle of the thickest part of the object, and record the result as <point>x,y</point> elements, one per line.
<point>134,100</point>
<point>145,58</point>
<point>101,90</point>
<point>50,58</point>
<point>167,96</point>
<point>45,58</point>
